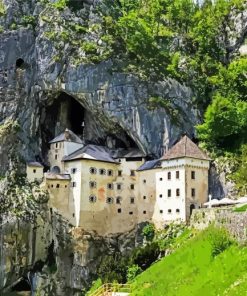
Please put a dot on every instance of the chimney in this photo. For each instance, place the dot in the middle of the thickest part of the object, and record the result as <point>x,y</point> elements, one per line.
<point>66,134</point>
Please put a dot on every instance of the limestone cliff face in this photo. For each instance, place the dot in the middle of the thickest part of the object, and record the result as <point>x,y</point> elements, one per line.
<point>33,72</point>
<point>51,257</point>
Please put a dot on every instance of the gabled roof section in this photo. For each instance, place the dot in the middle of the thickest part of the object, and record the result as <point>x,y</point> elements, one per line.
<point>68,136</point>
<point>149,165</point>
<point>35,164</point>
<point>185,148</point>
<point>93,152</point>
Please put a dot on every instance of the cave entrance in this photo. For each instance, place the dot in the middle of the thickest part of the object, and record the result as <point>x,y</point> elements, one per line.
<point>63,112</point>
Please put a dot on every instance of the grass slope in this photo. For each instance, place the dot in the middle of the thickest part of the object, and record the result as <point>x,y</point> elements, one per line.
<point>191,271</point>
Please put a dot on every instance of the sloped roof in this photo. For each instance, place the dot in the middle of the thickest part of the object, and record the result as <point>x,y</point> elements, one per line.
<point>149,165</point>
<point>35,164</point>
<point>185,148</point>
<point>127,153</point>
<point>67,135</point>
<point>52,176</point>
<point>93,152</point>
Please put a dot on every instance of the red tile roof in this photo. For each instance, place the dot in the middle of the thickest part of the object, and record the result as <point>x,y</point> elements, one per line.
<point>185,148</point>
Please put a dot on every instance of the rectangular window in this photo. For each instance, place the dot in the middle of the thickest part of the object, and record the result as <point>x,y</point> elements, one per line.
<point>110,186</point>
<point>169,193</point>
<point>193,192</point>
<point>177,192</point>
<point>177,174</point>
<point>193,175</point>
<point>132,200</point>
<point>169,211</point>
<point>161,211</point>
<point>161,179</point>
<point>56,156</point>
<point>73,184</point>
<point>34,171</point>
<point>119,211</point>
<point>132,173</point>
<point>169,175</point>
<point>144,212</point>
<point>144,197</point>
<point>132,186</point>
<point>130,213</point>
<point>58,185</point>
<point>119,173</point>
<point>144,181</point>
<point>119,186</point>
<point>73,170</point>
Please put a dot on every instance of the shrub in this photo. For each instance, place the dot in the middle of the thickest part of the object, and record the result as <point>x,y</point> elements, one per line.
<point>220,241</point>
<point>145,256</point>
<point>133,271</point>
<point>149,232</point>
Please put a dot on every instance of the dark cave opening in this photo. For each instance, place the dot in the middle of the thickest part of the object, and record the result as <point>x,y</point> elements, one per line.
<point>19,63</point>
<point>64,111</point>
<point>22,285</point>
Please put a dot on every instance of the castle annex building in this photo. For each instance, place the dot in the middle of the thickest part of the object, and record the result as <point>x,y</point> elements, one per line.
<point>111,190</point>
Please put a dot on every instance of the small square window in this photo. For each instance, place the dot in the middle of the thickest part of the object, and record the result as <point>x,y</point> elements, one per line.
<point>177,174</point>
<point>118,200</point>
<point>119,186</point>
<point>144,212</point>
<point>169,175</point>
<point>73,170</point>
<point>132,186</point>
<point>193,175</point>
<point>119,211</point>
<point>130,213</point>
<point>93,171</point>
<point>169,211</point>
<point>132,173</point>
<point>51,185</point>
<point>160,195</point>
<point>161,211</point>
<point>58,185</point>
<point>132,200</point>
<point>177,211</point>
<point>169,192</point>
<point>161,179</point>
<point>119,173</point>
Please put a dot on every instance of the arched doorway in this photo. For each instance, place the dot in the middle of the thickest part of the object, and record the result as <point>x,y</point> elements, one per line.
<point>192,207</point>
<point>56,170</point>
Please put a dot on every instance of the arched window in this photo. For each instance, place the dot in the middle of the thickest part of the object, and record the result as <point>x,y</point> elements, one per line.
<point>92,198</point>
<point>109,200</point>
<point>93,170</point>
<point>56,170</point>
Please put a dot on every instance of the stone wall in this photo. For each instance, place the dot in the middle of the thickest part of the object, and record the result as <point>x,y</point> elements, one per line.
<point>235,222</point>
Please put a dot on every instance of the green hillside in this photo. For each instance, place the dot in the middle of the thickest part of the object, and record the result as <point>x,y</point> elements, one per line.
<point>192,270</point>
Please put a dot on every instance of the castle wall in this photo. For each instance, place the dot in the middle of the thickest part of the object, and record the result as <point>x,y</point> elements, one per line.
<point>34,173</point>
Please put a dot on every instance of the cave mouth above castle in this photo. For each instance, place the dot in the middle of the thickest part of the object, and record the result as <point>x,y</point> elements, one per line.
<point>64,111</point>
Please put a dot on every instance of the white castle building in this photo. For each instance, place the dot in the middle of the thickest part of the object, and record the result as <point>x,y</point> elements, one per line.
<point>111,191</point>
